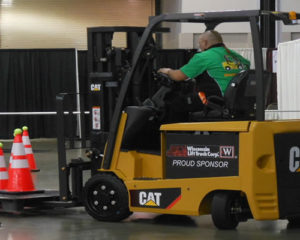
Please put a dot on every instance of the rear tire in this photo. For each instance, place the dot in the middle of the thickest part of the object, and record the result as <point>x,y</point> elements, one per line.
<point>222,210</point>
<point>294,222</point>
<point>106,198</point>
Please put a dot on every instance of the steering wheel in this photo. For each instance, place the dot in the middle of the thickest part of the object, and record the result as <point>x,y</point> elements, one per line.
<point>165,79</point>
<point>157,101</point>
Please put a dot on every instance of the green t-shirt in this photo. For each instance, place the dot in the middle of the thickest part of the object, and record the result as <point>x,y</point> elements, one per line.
<point>219,64</point>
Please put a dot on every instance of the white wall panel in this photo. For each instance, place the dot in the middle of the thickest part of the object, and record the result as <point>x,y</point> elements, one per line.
<point>288,79</point>
<point>171,39</point>
<point>218,5</point>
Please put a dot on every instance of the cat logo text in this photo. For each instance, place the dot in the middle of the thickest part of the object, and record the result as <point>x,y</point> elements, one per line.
<point>150,198</point>
<point>294,159</point>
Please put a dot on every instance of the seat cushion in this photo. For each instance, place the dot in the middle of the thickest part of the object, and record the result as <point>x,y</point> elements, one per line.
<point>202,115</point>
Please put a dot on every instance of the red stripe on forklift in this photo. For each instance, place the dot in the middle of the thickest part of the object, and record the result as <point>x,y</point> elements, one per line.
<point>174,202</point>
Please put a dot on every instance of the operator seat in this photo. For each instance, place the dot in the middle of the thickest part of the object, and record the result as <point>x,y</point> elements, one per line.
<point>234,105</point>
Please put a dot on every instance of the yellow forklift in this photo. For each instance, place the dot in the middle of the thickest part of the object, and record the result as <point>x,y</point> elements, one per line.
<point>227,161</point>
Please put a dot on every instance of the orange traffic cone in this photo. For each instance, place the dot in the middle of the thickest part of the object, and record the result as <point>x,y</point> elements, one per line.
<point>11,156</point>
<point>3,170</point>
<point>20,179</point>
<point>28,150</point>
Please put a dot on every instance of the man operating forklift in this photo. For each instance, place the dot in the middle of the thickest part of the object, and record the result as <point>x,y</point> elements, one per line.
<point>213,68</point>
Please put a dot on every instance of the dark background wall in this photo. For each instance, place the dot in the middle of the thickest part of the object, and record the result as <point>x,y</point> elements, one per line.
<point>30,80</point>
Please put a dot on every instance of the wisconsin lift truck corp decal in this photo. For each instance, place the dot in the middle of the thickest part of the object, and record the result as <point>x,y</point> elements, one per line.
<point>155,198</point>
<point>196,156</point>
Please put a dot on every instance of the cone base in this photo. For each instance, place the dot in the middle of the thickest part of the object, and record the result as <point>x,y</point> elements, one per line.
<point>20,180</point>
<point>21,193</point>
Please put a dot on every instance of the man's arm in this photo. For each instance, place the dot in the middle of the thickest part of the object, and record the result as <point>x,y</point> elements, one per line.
<point>176,75</point>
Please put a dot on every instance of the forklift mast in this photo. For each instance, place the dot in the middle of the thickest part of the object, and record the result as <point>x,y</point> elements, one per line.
<point>107,66</point>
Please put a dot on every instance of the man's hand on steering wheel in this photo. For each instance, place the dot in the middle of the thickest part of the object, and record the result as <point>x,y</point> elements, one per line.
<point>165,79</point>
<point>175,74</point>
<point>164,70</point>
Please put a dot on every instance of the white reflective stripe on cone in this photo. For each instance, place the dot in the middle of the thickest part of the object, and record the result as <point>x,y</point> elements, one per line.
<point>2,163</point>
<point>19,149</point>
<point>17,163</point>
<point>26,143</point>
<point>25,140</point>
<point>3,175</point>
<point>13,147</point>
<point>28,150</point>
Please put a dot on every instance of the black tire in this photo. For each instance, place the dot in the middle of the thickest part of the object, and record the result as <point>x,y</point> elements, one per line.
<point>294,222</point>
<point>221,210</point>
<point>106,198</point>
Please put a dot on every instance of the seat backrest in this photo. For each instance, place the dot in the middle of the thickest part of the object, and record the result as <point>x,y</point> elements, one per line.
<point>230,107</point>
<point>235,93</point>
<point>251,86</point>
<point>239,98</point>
<point>240,95</point>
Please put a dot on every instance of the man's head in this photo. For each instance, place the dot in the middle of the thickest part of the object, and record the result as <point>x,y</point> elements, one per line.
<point>209,38</point>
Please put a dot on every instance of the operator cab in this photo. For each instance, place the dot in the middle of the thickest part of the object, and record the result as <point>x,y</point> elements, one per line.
<point>143,122</point>
<point>142,129</point>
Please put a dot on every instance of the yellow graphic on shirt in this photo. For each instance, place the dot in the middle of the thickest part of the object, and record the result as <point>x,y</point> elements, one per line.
<point>231,63</point>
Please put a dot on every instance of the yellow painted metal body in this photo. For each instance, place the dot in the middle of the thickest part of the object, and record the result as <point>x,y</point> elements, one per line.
<point>257,169</point>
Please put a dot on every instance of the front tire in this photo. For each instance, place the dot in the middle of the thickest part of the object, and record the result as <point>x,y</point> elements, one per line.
<point>106,198</point>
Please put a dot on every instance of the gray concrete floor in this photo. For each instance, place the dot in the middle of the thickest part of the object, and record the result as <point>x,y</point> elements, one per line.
<point>75,223</point>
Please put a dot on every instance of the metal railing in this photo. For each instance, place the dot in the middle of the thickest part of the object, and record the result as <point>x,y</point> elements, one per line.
<point>73,114</point>
<point>41,113</point>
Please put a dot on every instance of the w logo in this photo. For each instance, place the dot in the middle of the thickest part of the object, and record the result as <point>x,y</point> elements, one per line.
<point>226,151</point>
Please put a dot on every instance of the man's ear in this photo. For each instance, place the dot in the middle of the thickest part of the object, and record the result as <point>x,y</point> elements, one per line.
<point>205,44</point>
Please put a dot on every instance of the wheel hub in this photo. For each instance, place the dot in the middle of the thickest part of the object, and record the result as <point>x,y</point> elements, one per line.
<point>103,198</point>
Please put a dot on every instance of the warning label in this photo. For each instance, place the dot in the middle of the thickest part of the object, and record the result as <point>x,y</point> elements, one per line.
<point>96,118</point>
<point>190,156</point>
